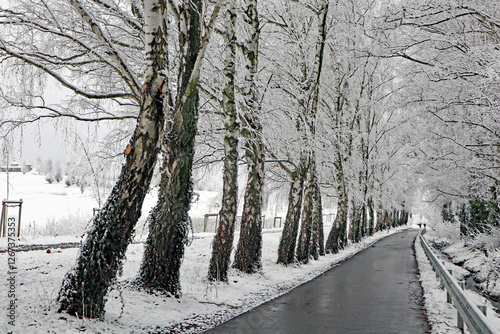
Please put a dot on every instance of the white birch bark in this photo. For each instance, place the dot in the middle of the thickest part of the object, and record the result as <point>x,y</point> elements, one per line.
<point>84,288</point>
<point>223,241</point>
<point>249,250</point>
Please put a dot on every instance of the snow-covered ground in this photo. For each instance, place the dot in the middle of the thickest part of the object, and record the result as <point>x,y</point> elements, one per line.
<point>54,213</point>
<point>203,304</point>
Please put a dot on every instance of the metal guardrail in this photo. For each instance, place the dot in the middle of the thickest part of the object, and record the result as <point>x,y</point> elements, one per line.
<point>467,311</point>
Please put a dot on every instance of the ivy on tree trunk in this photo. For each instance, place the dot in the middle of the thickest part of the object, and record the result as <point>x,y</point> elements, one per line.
<point>337,238</point>
<point>169,220</point>
<point>84,288</point>
<point>288,241</point>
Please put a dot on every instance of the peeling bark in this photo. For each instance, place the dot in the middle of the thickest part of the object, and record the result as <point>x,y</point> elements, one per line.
<point>84,288</point>
<point>288,241</point>
<point>169,220</point>
<point>248,254</point>
<point>303,248</point>
<point>223,241</point>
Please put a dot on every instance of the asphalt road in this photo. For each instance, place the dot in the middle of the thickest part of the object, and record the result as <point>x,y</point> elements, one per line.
<point>376,291</point>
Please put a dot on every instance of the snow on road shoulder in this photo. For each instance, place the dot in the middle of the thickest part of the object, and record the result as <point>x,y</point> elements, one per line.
<point>203,304</point>
<point>441,315</point>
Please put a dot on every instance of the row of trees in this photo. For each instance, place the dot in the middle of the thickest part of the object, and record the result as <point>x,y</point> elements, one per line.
<point>456,91</point>
<point>334,99</point>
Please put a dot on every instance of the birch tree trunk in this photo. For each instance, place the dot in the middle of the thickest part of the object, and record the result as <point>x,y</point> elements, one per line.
<point>286,250</point>
<point>310,110</point>
<point>355,228</point>
<point>380,220</point>
<point>249,250</point>
<point>386,223</point>
<point>337,238</point>
<point>371,217</point>
<point>364,222</point>
<point>169,220</point>
<point>303,248</point>
<point>317,240</point>
<point>84,288</point>
<point>223,241</point>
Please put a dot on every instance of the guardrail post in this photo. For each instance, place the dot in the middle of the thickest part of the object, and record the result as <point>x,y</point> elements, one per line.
<point>460,322</point>
<point>448,297</point>
<point>461,284</point>
<point>482,308</point>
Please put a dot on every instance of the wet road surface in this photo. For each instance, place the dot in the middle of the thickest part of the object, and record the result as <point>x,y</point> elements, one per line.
<point>376,291</point>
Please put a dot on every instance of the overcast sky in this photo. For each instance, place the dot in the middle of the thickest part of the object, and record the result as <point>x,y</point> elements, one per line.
<point>44,144</point>
<point>37,141</point>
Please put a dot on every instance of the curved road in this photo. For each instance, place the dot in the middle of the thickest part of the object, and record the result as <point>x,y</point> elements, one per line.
<point>376,291</point>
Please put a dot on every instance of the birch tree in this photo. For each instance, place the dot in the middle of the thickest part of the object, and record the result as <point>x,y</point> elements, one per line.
<point>169,220</point>
<point>84,288</point>
<point>362,109</point>
<point>454,59</point>
<point>298,28</point>
<point>310,220</point>
<point>249,250</point>
<point>223,242</point>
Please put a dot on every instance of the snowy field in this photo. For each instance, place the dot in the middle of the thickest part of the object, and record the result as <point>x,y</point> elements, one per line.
<point>46,205</point>
<point>55,209</point>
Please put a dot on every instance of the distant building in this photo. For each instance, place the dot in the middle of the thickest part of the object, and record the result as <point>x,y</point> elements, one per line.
<point>15,168</point>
